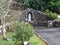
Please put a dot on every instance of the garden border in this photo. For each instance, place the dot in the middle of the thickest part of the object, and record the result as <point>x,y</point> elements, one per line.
<point>42,38</point>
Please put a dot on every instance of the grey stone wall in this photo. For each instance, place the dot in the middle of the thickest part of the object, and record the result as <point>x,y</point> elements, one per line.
<point>38,18</point>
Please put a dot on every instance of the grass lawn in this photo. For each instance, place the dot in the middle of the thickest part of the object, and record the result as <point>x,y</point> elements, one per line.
<point>33,41</point>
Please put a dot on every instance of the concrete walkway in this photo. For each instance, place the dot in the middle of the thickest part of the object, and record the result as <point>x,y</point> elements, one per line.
<point>51,35</point>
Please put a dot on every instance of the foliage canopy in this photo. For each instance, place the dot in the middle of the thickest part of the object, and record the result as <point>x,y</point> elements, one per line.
<point>42,5</point>
<point>22,31</point>
<point>50,15</point>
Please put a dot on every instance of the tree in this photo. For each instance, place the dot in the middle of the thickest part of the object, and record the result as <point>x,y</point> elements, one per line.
<point>22,31</point>
<point>4,9</point>
<point>52,5</point>
<point>50,15</point>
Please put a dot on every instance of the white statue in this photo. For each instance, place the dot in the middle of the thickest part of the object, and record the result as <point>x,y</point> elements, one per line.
<point>29,17</point>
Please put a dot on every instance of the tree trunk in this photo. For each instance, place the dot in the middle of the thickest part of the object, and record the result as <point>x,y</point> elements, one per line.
<point>3,32</point>
<point>3,29</point>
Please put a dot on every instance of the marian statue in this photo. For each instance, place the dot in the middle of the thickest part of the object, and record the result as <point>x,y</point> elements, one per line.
<point>29,17</point>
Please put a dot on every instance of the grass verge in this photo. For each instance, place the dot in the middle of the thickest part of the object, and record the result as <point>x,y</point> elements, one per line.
<point>33,40</point>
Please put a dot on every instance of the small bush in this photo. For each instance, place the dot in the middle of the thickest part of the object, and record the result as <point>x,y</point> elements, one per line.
<point>50,15</point>
<point>22,31</point>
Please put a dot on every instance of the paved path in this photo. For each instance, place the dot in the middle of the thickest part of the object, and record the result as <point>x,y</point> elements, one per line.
<point>51,35</point>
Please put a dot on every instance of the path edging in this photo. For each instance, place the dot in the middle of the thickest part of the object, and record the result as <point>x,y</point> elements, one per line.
<point>42,38</point>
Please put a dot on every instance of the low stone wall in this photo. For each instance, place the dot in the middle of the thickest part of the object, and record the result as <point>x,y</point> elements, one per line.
<point>56,24</point>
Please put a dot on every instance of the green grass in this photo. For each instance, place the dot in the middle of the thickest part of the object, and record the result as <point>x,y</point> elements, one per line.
<point>33,40</point>
<point>36,41</point>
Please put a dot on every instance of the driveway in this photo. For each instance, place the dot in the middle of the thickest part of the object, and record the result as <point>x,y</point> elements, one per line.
<point>51,35</point>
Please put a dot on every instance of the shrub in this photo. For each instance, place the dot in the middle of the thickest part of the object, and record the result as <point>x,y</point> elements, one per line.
<point>22,31</point>
<point>50,15</point>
